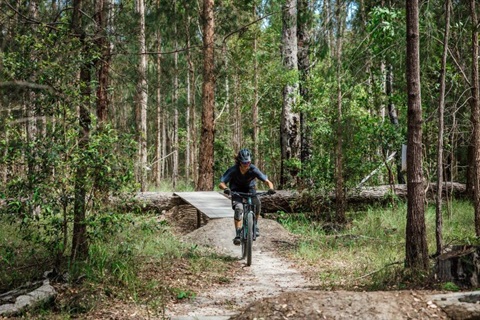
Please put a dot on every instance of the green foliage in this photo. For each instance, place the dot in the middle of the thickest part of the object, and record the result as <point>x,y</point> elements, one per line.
<point>450,286</point>
<point>387,28</point>
<point>372,248</point>
<point>42,199</point>
<point>292,164</point>
<point>120,264</point>
<point>39,196</point>
<point>181,294</point>
<point>21,260</point>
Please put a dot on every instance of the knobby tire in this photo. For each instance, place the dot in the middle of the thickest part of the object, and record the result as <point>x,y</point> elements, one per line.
<point>249,238</point>
<point>244,244</point>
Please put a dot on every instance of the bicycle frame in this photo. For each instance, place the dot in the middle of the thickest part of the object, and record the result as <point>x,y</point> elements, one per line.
<point>249,222</point>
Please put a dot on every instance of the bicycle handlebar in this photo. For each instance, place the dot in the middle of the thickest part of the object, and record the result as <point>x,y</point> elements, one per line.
<point>249,194</point>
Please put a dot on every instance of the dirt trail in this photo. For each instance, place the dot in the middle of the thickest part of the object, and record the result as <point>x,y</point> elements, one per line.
<point>268,275</point>
<point>273,289</point>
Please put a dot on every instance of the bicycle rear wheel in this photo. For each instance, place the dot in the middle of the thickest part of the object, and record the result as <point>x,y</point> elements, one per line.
<point>249,241</point>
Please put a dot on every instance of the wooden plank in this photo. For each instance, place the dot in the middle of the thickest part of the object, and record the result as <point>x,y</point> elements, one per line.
<point>210,203</point>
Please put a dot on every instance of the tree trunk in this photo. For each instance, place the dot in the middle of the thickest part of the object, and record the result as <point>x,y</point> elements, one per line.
<point>303,32</point>
<point>340,200</point>
<point>142,89</point>
<point>475,118</point>
<point>192,141</point>
<point>255,123</point>
<point>175,105</point>
<point>163,166</point>
<point>441,108</point>
<point>327,18</point>
<point>237,140</point>
<point>393,116</point>
<point>205,174</point>
<point>188,144</point>
<point>103,63</point>
<point>31,113</point>
<point>79,235</point>
<point>157,168</point>
<point>290,121</point>
<point>416,238</point>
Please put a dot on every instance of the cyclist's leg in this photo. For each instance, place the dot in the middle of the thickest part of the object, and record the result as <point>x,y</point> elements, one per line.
<point>258,209</point>
<point>237,219</point>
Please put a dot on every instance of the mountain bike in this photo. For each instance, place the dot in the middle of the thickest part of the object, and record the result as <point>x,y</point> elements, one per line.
<point>247,233</point>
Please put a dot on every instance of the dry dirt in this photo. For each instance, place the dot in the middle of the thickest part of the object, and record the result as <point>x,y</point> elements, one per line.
<point>273,288</point>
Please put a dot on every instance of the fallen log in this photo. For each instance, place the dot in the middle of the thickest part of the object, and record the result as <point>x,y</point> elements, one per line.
<point>294,201</point>
<point>158,201</point>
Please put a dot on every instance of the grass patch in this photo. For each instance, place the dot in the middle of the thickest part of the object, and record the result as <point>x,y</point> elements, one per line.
<point>370,252</point>
<point>141,263</point>
<point>20,259</point>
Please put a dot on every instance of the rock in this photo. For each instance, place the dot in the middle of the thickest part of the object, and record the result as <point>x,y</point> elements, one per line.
<point>30,300</point>
<point>459,305</point>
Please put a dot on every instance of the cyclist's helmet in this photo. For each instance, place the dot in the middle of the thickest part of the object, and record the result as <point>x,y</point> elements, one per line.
<point>244,156</point>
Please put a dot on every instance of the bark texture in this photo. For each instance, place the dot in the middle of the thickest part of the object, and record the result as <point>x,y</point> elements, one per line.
<point>441,108</point>
<point>142,91</point>
<point>304,35</point>
<point>103,63</point>
<point>205,173</point>
<point>79,236</point>
<point>290,122</point>
<point>475,114</point>
<point>340,201</point>
<point>416,238</point>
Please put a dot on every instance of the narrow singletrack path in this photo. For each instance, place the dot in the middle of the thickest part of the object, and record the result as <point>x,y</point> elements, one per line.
<point>268,275</point>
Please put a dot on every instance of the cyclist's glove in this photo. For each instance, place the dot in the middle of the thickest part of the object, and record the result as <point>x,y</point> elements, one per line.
<point>271,191</point>
<point>227,191</point>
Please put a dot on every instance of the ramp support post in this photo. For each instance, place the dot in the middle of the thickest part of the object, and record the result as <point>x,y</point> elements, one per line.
<point>199,219</point>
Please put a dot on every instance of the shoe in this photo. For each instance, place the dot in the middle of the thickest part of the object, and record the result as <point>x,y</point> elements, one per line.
<point>236,240</point>
<point>257,231</point>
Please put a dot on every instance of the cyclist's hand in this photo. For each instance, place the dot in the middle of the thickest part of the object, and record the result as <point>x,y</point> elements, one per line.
<point>271,191</point>
<point>227,191</point>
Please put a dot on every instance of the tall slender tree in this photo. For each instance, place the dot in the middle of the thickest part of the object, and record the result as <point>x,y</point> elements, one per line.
<point>142,99</point>
<point>237,136</point>
<point>416,237</point>
<point>255,122</point>
<point>175,101</point>
<point>30,103</point>
<point>305,15</point>
<point>79,236</point>
<point>340,197</point>
<point>191,111</point>
<point>103,62</point>
<point>159,164</point>
<point>441,109</point>
<point>206,160</point>
<point>290,119</point>
<point>475,118</point>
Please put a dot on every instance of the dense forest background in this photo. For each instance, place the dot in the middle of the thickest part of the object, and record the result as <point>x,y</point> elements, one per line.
<point>99,97</point>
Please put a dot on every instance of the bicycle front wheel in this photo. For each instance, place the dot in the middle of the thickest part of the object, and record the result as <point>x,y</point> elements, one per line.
<point>249,241</point>
<point>244,243</point>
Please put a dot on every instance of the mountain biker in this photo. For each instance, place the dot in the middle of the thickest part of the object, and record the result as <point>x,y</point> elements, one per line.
<point>241,178</point>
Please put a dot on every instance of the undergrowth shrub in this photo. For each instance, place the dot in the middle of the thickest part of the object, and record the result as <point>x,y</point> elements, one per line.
<point>140,261</point>
<point>369,252</point>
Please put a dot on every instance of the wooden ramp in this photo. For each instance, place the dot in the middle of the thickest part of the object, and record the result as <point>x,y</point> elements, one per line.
<point>212,204</point>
